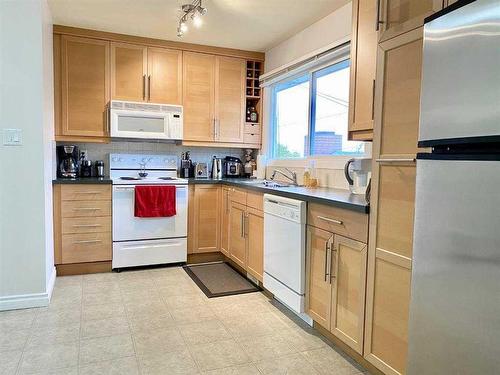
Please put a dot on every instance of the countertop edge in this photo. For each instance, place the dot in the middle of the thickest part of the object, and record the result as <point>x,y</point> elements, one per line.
<point>82,180</point>
<point>363,208</point>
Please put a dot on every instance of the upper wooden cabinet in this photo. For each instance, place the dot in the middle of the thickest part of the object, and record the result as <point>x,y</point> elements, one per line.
<point>213,98</point>
<point>129,68</point>
<point>230,99</point>
<point>199,96</point>
<point>397,17</point>
<point>82,79</point>
<point>363,67</point>
<point>141,73</point>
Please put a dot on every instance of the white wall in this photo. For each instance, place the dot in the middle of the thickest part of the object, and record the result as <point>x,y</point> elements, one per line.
<point>329,32</point>
<point>26,92</point>
<point>334,27</point>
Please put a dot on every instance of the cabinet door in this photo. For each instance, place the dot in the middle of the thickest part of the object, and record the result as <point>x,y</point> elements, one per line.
<point>400,16</point>
<point>128,72</point>
<point>348,299</point>
<point>392,205</point>
<point>363,66</point>
<point>254,230</point>
<point>206,218</point>
<point>164,76</point>
<point>225,217</point>
<point>85,86</point>
<point>319,288</point>
<point>237,240</point>
<point>198,81</point>
<point>230,99</point>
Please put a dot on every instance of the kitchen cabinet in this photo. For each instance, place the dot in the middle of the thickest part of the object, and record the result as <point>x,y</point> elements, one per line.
<point>82,225</point>
<point>396,17</point>
<point>230,99</point>
<point>206,218</point>
<point>255,242</point>
<point>392,204</point>
<point>336,274</point>
<point>237,234</point>
<point>225,217</point>
<point>348,277</point>
<point>319,293</point>
<point>81,88</point>
<point>199,96</point>
<point>363,67</point>
<point>140,73</point>
<point>213,98</point>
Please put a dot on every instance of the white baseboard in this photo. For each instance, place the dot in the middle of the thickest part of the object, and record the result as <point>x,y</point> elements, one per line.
<point>26,301</point>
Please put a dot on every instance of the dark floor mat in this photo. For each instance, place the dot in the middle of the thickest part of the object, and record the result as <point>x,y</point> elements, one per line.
<point>219,279</point>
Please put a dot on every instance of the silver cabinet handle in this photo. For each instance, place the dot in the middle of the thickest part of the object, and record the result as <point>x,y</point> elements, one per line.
<point>326,261</point>
<point>144,87</point>
<point>86,209</point>
<point>334,221</point>
<point>401,160</point>
<point>227,201</point>
<point>88,192</point>
<point>332,250</point>
<point>246,225</point>
<point>215,129</point>
<point>373,99</point>
<point>377,21</point>
<point>149,87</point>
<point>87,241</point>
<point>242,223</point>
<point>87,225</point>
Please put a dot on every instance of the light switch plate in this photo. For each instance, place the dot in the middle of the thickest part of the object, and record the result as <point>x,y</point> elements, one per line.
<point>12,137</point>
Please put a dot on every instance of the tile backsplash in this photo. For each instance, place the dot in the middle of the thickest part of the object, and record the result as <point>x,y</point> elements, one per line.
<point>99,151</point>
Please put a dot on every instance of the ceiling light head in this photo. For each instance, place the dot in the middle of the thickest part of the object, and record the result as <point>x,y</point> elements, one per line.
<point>183,27</point>
<point>202,11</point>
<point>197,21</point>
<point>195,11</point>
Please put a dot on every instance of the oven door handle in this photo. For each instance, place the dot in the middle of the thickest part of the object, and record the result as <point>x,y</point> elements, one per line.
<point>123,188</point>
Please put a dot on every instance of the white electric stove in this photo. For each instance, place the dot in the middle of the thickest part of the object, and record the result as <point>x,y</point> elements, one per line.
<point>146,241</point>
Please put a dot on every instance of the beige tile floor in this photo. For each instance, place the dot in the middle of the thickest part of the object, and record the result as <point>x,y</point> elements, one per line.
<point>157,321</point>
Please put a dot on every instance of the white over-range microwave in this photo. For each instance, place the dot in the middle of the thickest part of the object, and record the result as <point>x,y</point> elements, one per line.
<point>145,120</point>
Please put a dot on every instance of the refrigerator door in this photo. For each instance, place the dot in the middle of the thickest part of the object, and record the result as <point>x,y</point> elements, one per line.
<point>455,298</point>
<point>460,95</point>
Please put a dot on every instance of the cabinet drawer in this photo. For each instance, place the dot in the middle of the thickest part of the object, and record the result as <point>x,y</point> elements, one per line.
<point>252,128</point>
<point>337,220</point>
<point>85,192</point>
<point>90,247</point>
<point>239,196</point>
<point>251,138</point>
<point>255,200</point>
<point>85,208</point>
<point>86,225</point>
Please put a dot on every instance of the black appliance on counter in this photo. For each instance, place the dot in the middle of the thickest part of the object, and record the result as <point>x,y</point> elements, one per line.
<point>86,168</point>
<point>187,166</point>
<point>67,161</point>
<point>233,167</point>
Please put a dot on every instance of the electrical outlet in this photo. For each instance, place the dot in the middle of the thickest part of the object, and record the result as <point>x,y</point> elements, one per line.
<point>12,137</point>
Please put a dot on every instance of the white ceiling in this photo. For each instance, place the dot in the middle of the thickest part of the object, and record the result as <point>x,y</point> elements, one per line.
<point>244,24</point>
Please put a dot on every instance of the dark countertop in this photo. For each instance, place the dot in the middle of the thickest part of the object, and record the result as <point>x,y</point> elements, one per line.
<point>83,180</point>
<point>329,196</point>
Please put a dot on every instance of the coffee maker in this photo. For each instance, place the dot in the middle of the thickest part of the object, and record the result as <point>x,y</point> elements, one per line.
<point>67,161</point>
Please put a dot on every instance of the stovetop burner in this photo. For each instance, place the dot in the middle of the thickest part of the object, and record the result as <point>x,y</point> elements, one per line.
<point>166,178</point>
<point>130,178</point>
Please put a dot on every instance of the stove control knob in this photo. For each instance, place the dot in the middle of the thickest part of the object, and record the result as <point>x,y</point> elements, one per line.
<point>120,159</point>
<point>114,159</point>
<point>150,159</point>
<point>144,160</point>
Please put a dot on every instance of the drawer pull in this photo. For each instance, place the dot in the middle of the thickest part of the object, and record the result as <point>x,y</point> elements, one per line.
<point>88,192</point>
<point>87,225</point>
<point>87,241</point>
<point>86,209</point>
<point>334,221</point>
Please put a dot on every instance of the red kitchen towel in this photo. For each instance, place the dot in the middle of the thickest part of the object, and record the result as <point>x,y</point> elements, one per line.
<point>154,201</point>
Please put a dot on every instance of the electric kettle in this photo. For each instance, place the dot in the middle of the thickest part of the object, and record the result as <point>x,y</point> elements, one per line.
<point>216,171</point>
<point>358,173</point>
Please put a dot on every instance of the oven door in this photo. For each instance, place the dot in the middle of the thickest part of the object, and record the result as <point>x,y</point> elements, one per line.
<point>139,124</point>
<point>127,227</point>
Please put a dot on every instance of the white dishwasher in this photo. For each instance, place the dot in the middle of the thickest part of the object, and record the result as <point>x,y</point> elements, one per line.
<point>285,251</point>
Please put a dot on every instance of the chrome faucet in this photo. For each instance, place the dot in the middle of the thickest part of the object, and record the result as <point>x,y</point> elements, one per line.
<point>293,175</point>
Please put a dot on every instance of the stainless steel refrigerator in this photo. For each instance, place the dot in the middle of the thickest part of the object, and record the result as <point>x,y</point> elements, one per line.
<point>455,297</point>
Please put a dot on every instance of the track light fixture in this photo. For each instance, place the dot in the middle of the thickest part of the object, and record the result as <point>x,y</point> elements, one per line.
<point>193,11</point>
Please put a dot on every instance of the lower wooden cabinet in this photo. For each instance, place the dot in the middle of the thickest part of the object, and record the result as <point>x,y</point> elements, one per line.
<point>205,219</point>
<point>255,242</point>
<point>336,274</point>
<point>82,224</point>
<point>237,234</point>
<point>225,217</point>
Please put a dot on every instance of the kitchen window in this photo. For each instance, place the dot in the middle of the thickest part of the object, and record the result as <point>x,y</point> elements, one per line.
<point>309,114</point>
